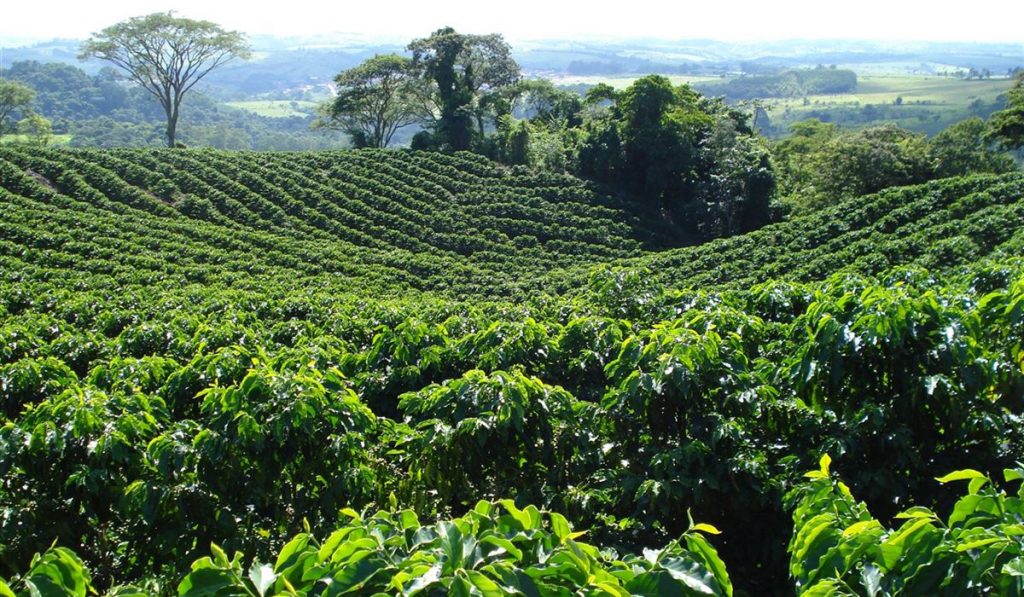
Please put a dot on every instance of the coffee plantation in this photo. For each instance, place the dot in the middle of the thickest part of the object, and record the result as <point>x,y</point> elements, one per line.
<point>396,372</point>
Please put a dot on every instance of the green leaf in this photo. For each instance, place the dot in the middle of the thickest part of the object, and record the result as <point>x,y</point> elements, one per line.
<point>58,571</point>
<point>688,571</point>
<point>460,587</point>
<point>976,484</point>
<point>655,584</point>
<point>354,578</point>
<point>860,527</point>
<point>705,528</point>
<point>979,543</point>
<point>485,585</point>
<point>205,581</point>
<point>709,557</point>
<point>960,475</point>
<point>262,577</point>
<point>352,514</point>
<point>1014,567</point>
<point>408,520</point>
<point>917,512</point>
<point>504,544</point>
<point>424,581</point>
<point>1013,474</point>
<point>823,468</point>
<point>560,526</point>
<point>291,551</point>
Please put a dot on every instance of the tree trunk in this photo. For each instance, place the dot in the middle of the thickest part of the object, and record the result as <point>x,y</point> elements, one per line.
<point>172,125</point>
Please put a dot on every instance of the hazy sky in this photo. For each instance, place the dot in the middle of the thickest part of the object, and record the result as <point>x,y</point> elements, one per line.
<point>734,20</point>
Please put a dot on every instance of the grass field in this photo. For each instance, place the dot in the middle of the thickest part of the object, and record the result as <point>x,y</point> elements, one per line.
<point>276,108</point>
<point>926,104</point>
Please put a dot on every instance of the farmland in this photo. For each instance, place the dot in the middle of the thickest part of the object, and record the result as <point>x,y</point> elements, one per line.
<point>276,108</point>
<point>416,371</point>
<point>922,104</point>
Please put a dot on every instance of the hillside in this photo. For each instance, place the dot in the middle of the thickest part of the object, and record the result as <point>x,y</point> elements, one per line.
<point>459,224</point>
<point>421,373</point>
<point>383,219</point>
<point>938,225</point>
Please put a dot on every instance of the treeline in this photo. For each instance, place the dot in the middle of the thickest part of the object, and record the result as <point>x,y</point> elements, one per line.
<point>695,160</point>
<point>692,158</point>
<point>820,163</point>
<point>790,83</point>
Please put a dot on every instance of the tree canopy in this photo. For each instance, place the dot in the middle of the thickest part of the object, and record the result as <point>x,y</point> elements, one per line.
<point>166,55</point>
<point>693,157</point>
<point>1006,127</point>
<point>463,69</point>
<point>375,100</point>
<point>14,98</point>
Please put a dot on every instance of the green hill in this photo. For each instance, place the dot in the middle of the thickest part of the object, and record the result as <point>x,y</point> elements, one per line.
<point>358,370</point>
<point>458,224</point>
<point>387,219</point>
<point>937,225</point>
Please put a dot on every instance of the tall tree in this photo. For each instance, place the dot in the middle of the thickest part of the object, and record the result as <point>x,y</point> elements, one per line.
<point>869,160</point>
<point>374,100</point>
<point>1006,127</point>
<point>464,68</point>
<point>691,157</point>
<point>166,55</point>
<point>14,97</point>
<point>962,149</point>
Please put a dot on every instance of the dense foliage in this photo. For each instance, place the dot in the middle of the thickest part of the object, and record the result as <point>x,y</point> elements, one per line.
<point>820,164</point>
<point>247,350</point>
<point>839,549</point>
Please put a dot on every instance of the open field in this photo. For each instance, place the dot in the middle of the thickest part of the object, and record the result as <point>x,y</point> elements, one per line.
<point>276,108</point>
<point>926,104</point>
<point>921,104</point>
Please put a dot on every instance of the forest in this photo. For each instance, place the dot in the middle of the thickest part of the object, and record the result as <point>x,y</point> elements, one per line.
<point>610,343</point>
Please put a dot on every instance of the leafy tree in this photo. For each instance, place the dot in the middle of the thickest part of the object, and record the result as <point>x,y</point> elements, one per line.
<point>793,156</point>
<point>540,101</point>
<point>463,70</point>
<point>693,157</point>
<point>166,55</point>
<point>964,149</point>
<point>1006,127</point>
<point>37,129</point>
<point>602,92</point>
<point>374,100</point>
<point>14,97</point>
<point>870,160</point>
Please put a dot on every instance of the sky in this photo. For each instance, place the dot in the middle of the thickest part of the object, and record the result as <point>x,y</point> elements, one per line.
<point>23,21</point>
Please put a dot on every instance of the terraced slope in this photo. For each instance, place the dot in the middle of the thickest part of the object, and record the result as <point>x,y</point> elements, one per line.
<point>939,225</point>
<point>378,219</point>
<point>205,348</point>
<point>375,221</point>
